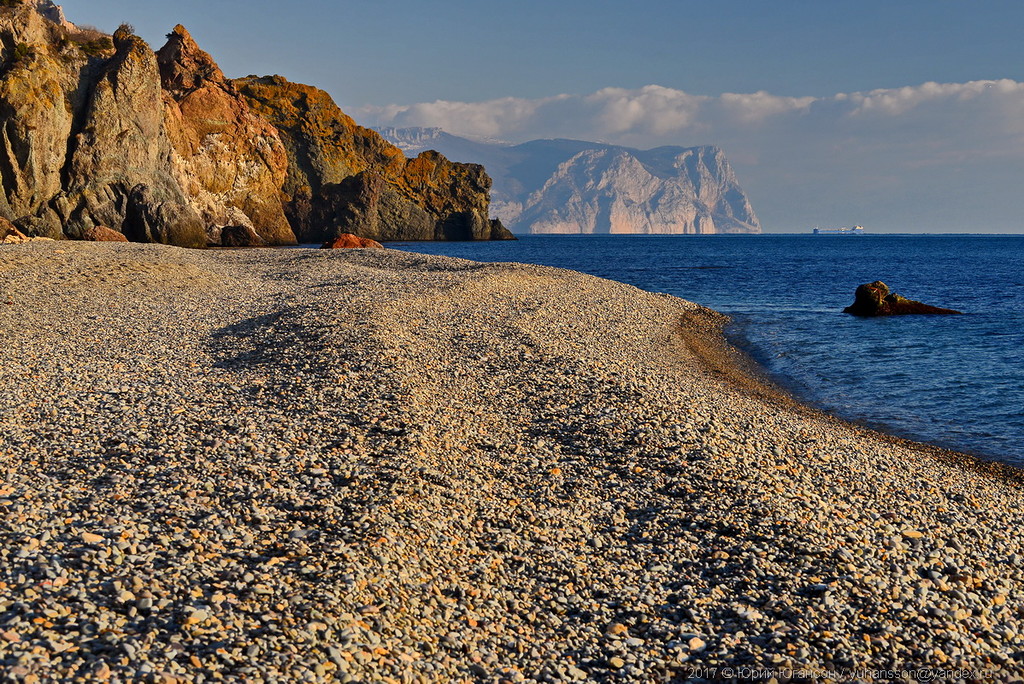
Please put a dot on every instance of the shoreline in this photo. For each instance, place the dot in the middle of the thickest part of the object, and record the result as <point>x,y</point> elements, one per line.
<point>707,340</point>
<point>339,466</point>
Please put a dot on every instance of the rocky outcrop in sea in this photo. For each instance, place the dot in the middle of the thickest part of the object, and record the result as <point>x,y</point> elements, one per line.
<point>875,299</point>
<point>100,130</point>
<point>572,186</point>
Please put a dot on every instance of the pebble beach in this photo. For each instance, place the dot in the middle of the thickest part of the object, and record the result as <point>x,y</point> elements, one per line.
<point>295,465</point>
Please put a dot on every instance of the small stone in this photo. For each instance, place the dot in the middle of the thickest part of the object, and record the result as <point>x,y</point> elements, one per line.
<point>197,617</point>
<point>616,628</point>
<point>617,662</point>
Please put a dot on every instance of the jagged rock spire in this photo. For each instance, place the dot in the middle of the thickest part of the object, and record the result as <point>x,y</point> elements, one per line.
<point>184,66</point>
<point>54,13</point>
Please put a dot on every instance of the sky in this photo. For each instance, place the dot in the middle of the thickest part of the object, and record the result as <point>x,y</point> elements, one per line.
<point>900,115</point>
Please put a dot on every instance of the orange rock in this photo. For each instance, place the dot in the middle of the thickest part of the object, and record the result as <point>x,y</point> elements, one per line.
<point>103,234</point>
<point>9,234</point>
<point>227,158</point>
<point>349,241</point>
<point>345,176</point>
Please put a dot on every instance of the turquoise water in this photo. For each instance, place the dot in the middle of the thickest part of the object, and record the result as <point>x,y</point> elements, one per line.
<point>955,381</point>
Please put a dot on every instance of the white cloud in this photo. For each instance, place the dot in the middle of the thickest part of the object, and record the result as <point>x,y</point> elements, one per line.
<point>899,101</point>
<point>504,116</point>
<point>802,159</point>
<point>755,107</point>
<point>664,115</point>
<point>652,108</point>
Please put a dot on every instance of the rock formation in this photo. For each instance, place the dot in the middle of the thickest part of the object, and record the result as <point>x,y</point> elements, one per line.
<point>874,299</point>
<point>101,131</point>
<point>241,235</point>
<point>54,13</point>
<point>346,178</point>
<point>662,191</point>
<point>118,174</point>
<point>228,160</point>
<point>350,241</point>
<point>103,234</point>
<point>571,186</point>
<point>9,233</point>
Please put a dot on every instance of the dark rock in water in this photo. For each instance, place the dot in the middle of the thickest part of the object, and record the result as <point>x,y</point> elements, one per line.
<point>350,241</point>
<point>874,299</point>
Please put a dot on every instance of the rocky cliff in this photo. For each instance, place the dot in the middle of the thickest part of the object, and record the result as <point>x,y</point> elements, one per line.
<point>83,141</point>
<point>571,186</point>
<point>230,161</point>
<point>663,191</point>
<point>100,130</point>
<point>346,178</point>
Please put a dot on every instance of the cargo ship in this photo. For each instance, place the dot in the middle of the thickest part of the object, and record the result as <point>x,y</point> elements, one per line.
<point>856,230</point>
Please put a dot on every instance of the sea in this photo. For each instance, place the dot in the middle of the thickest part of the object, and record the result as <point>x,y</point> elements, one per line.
<point>952,381</point>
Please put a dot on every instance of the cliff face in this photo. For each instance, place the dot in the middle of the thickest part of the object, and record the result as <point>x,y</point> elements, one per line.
<point>572,186</point>
<point>119,171</point>
<point>84,142</point>
<point>346,178</point>
<point>663,191</point>
<point>38,98</point>
<point>100,130</point>
<point>228,160</point>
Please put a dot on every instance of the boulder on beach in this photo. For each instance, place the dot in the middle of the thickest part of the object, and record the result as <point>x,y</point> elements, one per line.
<point>874,299</point>
<point>9,233</point>
<point>240,236</point>
<point>350,241</point>
<point>103,234</point>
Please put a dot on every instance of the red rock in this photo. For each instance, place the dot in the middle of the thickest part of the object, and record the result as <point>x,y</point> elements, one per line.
<point>103,234</point>
<point>9,234</point>
<point>349,241</point>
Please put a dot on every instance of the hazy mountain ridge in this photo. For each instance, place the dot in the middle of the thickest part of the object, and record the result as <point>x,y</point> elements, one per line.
<point>574,186</point>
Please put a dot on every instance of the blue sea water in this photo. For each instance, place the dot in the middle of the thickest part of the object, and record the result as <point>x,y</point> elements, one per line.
<point>954,381</point>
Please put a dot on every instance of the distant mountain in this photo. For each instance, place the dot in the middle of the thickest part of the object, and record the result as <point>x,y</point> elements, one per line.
<point>572,186</point>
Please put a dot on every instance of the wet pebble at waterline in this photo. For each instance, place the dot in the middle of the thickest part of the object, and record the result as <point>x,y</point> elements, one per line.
<point>293,465</point>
